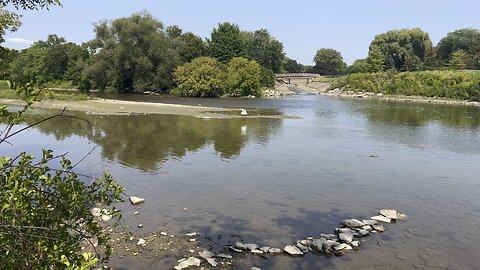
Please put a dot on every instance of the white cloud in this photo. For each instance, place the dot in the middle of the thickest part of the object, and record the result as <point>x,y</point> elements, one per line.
<point>19,41</point>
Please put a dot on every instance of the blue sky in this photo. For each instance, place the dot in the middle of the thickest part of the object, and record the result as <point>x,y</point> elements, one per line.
<point>302,25</point>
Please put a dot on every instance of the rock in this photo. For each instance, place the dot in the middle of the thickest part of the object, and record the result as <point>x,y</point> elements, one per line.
<point>274,250</point>
<point>367,228</point>
<point>106,218</point>
<point>251,246</point>
<point>212,262</point>
<point>381,219</point>
<point>192,240</point>
<point>192,261</point>
<point>192,234</point>
<point>136,213</point>
<point>206,254</point>
<point>330,244</point>
<point>96,212</point>
<point>391,214</point>
<point>346,237</point>
<point>303,248</point>
<point>342,247</point>
<point>163,234</point>
<point>255,268</point>
<point>241,246</point>
<point>369,222</point>
<point>401,216</point>
<point>328,236</point>
<point>319,244</point>
<point>224,256</point>
<point>141,242</point>
<point>379,95</point>
<point>343,230</point>
<point>235,249</point>
<point>140,226</point>
<point>256,251</point>
<point>136,200</point>
<point>379,228</point>
<point>353,223</point>
<point>355,244</point>
<point>292,250</point>
<point>265,249</point>
<point>306,242</point>
<point>363,232</point>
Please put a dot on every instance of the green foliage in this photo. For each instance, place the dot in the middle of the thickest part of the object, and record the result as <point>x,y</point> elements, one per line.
<point>458,60</point>
<point>359,66</point>
<point>226,43</point>
<point>132,54</point>
<point>30,4</point>
<point>292,66</point>
<point>404,50</point>
<point>9,21</point>
<point>243,77</point>
<point>192,47</point>
<point>463,85</point>
<point>467,40</point>
<point>375,60</point>
<point>329,62</point>
<point>203,77</point>
<point>267,78</point>
<point>265,50</point>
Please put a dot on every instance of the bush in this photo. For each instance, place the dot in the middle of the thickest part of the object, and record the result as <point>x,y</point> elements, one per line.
<point>203,77</point>
<point>243,77</point>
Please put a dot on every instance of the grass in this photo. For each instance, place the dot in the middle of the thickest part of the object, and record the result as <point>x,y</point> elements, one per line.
<point>459,84</point>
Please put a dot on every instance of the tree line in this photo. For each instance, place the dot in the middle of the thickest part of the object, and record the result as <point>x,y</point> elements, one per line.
<point>408,50</point>
<point>138,53</point>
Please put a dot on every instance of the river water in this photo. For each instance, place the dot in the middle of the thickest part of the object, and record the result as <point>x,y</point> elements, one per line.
<point>274,181</point>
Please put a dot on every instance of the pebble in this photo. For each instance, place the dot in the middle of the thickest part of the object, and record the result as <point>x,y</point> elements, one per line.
<point>141,242</point>
<point>191,234</point>
<point>140,226</point>
<point>163,234</point>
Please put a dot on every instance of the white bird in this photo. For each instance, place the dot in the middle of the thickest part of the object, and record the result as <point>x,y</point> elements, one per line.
<point>243,112</point>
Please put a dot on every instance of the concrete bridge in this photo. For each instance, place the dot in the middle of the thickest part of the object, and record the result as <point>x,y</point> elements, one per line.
<point>297,77</point>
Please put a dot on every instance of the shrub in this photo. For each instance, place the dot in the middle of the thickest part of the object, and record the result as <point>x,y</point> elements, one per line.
<point>203,77</point>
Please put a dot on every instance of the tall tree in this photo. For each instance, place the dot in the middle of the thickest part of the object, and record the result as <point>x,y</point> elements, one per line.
<point>404,50</point>
<point>265,50</point>
<point>226,42</point>
<point>131,54</point>
<point>458,60</point>
<point>192,47</point>
<point>329,62</point>
<point>467,40</point>
<point>243,77</point>
<point>292,66</point>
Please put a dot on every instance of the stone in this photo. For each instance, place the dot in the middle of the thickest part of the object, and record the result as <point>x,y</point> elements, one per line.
<point>363,233</point>
<point>206,254</point>
<point>224,256</point>
<point>106,218</point>
<point>367,228</point>
<point>241,246</point>
<point>369,222</point>
<point>265,249</point>
<point>274,250</point>
<point>192,261</point>
<point>319,244</point>
<point>255,268</point>
<point>381,219</point>
<point>136,200</point>
<point>346,237</point>
<point>343,230</point>
<point>136,213</point>
<point>355,244</point>
<point>192,240</point>
<point>96,212</point>
<point>140,226</point>
<point>256,251</point>
<point>141,242</point>
<point>306,242</point>
<point>391,214</point>
<point>212,262</point>
<point>328,236</point>
<point>192,234</point>
<point>163,233</point>
<point>292,250</point>
<point>303,248</point>
<point>251,246</point>
<point>379,228</point>
<point>342,247</point>
<point>235,249</point>
<point>401,216</point>
<point>330,244</point>
<point>353,223</point>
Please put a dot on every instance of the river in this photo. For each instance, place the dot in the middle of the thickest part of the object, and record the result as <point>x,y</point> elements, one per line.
<point>274,181</point>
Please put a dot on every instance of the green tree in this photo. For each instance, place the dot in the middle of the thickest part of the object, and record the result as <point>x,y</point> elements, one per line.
<point>267,78</point>
<point>404,50</point>
<point>292,66</point>
<point>226,43</point>
<point>458,60</point>
<point>174,31</point>
<point>203,77</point>
<point>131,55</point>
<point>359,66</point>
<point>243,77</point>
<point>192,47</point>
<point>467,40</point>
<point>9,21</point>
<point>30,4</point>
<point>265,50</point>
<point>329,62</point>
<point>6,57</point>
<point>375,61</point>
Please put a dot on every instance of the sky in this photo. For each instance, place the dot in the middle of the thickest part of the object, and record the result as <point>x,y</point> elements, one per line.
<point>303,26</point>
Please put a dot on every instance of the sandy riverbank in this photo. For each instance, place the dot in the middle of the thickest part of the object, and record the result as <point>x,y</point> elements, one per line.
<point>120,107</point>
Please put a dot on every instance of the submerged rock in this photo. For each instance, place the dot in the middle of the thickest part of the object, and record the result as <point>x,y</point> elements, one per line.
<point>346,237</point>
<point>379,228</point>
<point>235,249</point>
<point>265,249</point>
<point>274,250</point>
<point>241,246</point>
<point>303,248</point>
<point>206,254</point>
<point>192,261</point>
<point>224,256</point>
<point>136,200</point>
<point>342,247</point>
<point>369,222</point>
<point>293,250</point>
<point>212,262</point>
<point>251,246</point>
<point>319,244</point>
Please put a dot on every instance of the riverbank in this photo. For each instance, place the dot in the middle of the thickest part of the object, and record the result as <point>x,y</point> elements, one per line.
<point>120,107</point>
